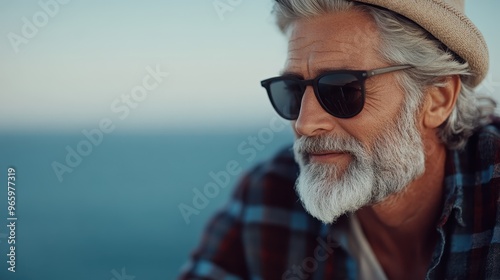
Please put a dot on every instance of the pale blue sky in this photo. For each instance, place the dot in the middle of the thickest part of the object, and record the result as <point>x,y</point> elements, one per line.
<point>92,52</point>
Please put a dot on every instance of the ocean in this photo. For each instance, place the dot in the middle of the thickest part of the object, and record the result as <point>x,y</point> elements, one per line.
<point>109,209</point>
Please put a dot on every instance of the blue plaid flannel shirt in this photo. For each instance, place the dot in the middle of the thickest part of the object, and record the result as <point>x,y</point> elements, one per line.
<point>264,232</point>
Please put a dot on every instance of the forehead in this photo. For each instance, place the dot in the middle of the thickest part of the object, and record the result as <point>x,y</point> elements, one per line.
<point>341,40</point>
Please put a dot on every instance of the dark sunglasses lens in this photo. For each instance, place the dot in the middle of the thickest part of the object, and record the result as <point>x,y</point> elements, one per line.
<point>286,96</point>
<point>341,94</point>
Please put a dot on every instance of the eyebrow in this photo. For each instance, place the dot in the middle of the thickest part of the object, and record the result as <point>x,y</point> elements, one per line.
<point>316,72</point>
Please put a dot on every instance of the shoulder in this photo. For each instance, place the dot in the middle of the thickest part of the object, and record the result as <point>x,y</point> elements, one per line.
<point>477,171</point>
<point>266,197</point>
<point>481,155</point>
<point>271,183</point>
<point>488,138</point>
<point>477,176</point>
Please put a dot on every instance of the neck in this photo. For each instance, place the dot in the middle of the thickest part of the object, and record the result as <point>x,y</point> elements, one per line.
<point>402,227</point>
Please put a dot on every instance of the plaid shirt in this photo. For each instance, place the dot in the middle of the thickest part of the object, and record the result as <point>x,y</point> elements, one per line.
<point>265,233</point>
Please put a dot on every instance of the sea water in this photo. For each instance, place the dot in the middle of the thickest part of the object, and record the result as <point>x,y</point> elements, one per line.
<point>114,214</point>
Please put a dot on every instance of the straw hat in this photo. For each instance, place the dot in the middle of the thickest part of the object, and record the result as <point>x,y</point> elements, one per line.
<point>445,20</point>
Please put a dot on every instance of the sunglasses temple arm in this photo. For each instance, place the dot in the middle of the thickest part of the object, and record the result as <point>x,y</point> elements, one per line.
<point>387,70</point>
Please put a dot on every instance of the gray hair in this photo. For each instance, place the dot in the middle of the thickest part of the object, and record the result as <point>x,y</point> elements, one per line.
<point>405,42</point>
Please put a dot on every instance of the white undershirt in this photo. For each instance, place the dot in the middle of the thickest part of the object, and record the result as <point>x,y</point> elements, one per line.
<point>368,265</point>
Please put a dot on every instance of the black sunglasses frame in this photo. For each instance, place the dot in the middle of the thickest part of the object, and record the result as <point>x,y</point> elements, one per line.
<point>359,74</point>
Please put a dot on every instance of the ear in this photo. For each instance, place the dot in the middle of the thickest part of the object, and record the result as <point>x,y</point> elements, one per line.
<point>441,101</point>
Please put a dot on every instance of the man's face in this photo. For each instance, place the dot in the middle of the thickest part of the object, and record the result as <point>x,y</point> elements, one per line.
<point>348,163</point>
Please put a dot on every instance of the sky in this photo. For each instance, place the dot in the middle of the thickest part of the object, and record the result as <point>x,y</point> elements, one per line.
<point>74,63</point>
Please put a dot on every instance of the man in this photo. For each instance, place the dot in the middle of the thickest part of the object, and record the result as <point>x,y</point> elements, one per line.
<point>398,157</point>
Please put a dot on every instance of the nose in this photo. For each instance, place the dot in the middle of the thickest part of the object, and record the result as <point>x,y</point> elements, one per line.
<point>313,120</point>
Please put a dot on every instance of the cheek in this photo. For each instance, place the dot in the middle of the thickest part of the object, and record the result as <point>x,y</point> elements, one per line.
<point>371,123</point>
<point>383,104</point>
<point>292,123</point>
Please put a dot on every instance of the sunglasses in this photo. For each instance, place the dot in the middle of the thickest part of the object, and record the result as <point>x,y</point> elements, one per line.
<point>341,93</point>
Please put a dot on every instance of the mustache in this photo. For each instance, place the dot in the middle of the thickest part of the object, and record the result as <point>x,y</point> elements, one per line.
<point>327,143</point>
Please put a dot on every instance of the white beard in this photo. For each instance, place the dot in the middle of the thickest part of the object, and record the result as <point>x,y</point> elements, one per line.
<point>397,159</point>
